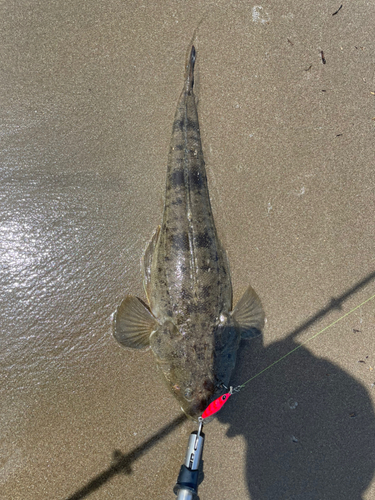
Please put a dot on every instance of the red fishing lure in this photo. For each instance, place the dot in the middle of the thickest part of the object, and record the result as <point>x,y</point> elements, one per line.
<point>216,405</point>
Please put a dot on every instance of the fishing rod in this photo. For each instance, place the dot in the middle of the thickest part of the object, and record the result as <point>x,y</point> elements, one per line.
<point>186,487</point>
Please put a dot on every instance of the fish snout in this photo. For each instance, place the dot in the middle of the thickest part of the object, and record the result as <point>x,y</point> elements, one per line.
<point>194,402</point>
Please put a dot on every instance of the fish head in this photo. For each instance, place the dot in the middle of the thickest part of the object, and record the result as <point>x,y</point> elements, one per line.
<point>194,397</point>
<point>187,368</point>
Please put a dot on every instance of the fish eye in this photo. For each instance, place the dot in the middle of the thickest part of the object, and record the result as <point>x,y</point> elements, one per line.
<point>224,398</point>
<point>188,393</point>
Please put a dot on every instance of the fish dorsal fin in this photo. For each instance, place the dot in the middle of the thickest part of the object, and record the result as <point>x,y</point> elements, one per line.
<point>249,314</point>
<point>133,323</point>
<point>147,261</point>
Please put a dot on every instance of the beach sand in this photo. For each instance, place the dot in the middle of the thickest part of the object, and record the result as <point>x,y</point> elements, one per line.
<point>88,95</point>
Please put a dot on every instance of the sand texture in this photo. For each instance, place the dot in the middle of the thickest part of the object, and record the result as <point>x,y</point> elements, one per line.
<point>88,93</point>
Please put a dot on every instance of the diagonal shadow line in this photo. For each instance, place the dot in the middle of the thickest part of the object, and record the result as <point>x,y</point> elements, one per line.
<point>124,461</point>
<point>335,304</point>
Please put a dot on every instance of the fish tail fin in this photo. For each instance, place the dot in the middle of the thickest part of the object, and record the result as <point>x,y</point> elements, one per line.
<point>190,71</point>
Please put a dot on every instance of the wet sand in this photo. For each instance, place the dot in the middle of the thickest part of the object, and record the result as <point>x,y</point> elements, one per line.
<point>88,94</point>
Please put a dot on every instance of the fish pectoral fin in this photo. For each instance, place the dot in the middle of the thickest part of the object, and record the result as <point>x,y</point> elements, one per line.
<point>249,314</point>
<point>133,323</point>
<point>147,261</point>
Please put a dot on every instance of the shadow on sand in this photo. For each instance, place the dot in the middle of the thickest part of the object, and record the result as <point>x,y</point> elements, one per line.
<point>309,426</point>
<point>122,462</point>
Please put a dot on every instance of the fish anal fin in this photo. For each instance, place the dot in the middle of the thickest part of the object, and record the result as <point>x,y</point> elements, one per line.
<point>147,261</point>
<point>249,314</point>
<point>133,323</point>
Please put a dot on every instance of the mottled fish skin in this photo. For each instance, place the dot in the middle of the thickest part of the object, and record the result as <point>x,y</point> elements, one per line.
<point>186,275</point>
<point>190,283</point>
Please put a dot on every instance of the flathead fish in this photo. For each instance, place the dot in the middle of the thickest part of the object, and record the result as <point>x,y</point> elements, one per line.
<point>189,322</point>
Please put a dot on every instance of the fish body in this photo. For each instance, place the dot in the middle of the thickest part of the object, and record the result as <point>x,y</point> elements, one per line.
<point>189,323</point>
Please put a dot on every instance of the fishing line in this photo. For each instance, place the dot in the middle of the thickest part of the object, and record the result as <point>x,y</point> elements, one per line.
<point>306,341</point>
<point>219,402</point>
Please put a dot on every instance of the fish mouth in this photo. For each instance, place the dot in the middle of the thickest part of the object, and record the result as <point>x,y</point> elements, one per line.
<point>194,391</point>
<point>194,406</point>
<point>193,412</point>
